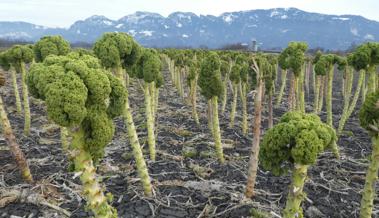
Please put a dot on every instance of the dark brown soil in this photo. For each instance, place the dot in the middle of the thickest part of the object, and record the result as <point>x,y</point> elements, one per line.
<point>182,190</point>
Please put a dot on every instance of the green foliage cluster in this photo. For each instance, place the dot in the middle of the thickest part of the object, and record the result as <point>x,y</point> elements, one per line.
<point>297,138</point>
<point>180,59</point>
<point>293,57</point>
<point>324,63</point>
<point>240,69</point>
<point>193,68</point>
<point>83,51</point>
<point>283,60</point>
<point>226,57</point>
<point>117,50</point>
<point>50,45</point>
<point>18,54</point>
<point>79,93</point>
<point>4,62</point>
<point>341,63</point>
<point>369,112</point>
<point>317,57</point>
<point>235,73</point>
<point>148,67</point>
<point>270,73</point>
<point>210,76</point>
<point>364,56</point>
<point>224,67</point>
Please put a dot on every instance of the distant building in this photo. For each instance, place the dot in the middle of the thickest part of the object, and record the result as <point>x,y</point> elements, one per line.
<point>254,45</point>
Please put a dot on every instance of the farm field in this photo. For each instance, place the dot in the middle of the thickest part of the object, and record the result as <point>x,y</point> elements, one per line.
<point>187,178</point>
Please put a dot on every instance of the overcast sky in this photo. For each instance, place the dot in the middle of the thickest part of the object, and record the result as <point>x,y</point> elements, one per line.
<point>63,13</point>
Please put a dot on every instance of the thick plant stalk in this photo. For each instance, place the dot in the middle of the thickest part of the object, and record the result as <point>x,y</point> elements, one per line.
<point>16,92</point>
<point>177,80</point>
<point>172,69</point>
<point>317,94</point>
<point>225,94</point>
<point>296,94</point>
<point>210,115</point>
<point>153,99</point>
<point>173,76</point>
<point>322,89</point>
<point>344,81</point>
<point>364,90</point>
<point>282,87</point>
<point>149,122</point>
<point>345,116</point>
<point>300,92</point>
<point>296,194</point>
<point>119,73</point>
<point>154,92</point>
<point>270,112</point>
<point>329,117</point>
<point>348,85</point>
<point>216,130</point>
<point>170,64</point>
<point>347,89</point>
<point>368,194</point>
<point>314,79</point>
<point>137,151</point>
<point>155,109</point>
<point>97,202</point>
<point>234,105</point>
<point>243,93</point>
<point>253,162</point>
<point>193,95</point>
<point>180,83</point>
<point>64,139</point>
<point>308,67</point>
<point>127,79</point>
<point>335,150</point>
<point>183,82</point>
<point>371,83</point>
<point>156,102</point>
<point>25,96</point>
<point>14,147</point>
<point>292,94</point>
<point>276,77</point>
<point>134,143</point>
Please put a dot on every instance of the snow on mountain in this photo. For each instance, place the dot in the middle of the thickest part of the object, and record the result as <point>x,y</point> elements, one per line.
<point>369,37</point>
<point>139,16</point>
<point>118,26</point>
<point>16,35</point>
<point>341,18</point>
<point>354,31</point>
<point>228,18</point>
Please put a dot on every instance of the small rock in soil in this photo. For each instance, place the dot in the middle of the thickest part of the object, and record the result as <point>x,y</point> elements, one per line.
<point>313,212</point>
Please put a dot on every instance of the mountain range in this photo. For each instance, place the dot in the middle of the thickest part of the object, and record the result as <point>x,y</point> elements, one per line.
<point>271,28</point>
